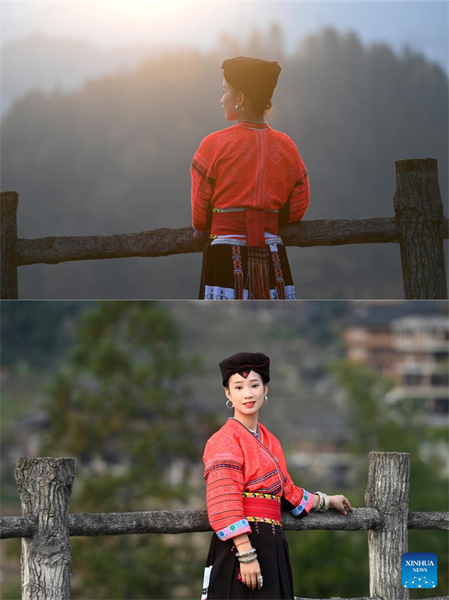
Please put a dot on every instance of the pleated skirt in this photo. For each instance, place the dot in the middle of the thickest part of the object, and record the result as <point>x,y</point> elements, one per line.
<point>222,264</point>
<point>222,566</point>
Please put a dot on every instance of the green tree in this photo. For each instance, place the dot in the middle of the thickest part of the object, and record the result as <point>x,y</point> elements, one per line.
<point>335,563</point>
<point>384,427</point>
<point>33,334</point>
<point>118,406</point>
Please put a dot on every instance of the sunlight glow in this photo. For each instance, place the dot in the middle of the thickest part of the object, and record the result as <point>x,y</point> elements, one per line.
<point>112,21</point>
<point>137,9</point>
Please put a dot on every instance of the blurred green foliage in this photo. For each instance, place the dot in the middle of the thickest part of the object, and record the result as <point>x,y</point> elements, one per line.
<point>119,407</point>
<point>34,334</point>
<point>119,403</point>
<point>380,426</point>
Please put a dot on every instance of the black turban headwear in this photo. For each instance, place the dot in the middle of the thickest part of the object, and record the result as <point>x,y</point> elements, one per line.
<point>243,363</point>
<point>254,76</point>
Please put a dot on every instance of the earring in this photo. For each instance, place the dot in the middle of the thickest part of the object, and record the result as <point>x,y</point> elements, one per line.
<point>266,398</point>
<point>228,404</point>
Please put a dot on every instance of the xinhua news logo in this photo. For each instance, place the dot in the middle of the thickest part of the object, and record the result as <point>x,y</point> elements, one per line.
<point>419,570</point>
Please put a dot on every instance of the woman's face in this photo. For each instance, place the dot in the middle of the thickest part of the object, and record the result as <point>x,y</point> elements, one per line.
<point>246,394</point>
<point>229,100</point>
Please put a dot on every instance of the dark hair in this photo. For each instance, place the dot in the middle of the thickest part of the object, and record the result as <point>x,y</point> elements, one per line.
<point>260,103</point>
<point>264,380</point>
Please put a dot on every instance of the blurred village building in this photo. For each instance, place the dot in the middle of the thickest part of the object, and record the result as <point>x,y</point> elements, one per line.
<point>414,351</point>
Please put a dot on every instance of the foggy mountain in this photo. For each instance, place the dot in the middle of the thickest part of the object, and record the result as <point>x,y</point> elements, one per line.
<point>114,155</point>
<point>48,63</point>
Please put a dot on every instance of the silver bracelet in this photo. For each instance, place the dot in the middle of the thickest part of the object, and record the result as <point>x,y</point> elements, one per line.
<point>324,504</point>
<point>248,560</point>
<point>251,551</point>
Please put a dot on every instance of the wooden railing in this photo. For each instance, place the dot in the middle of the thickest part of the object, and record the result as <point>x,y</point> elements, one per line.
<point>45,485</point>
<point>419,227</point>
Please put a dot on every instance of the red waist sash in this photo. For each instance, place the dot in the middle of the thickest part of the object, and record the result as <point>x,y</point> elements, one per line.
<point>251,222</point>
<point>262,507</point>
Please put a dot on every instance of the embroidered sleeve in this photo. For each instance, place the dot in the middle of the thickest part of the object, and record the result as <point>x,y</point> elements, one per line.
<point>201,190</point>
<point>300,499</point>
<point>224,486</point>
<point>299,199</point>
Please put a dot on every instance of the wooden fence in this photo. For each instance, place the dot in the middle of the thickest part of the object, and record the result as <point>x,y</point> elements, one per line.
<point>419,227</point>
<point>45,485</point>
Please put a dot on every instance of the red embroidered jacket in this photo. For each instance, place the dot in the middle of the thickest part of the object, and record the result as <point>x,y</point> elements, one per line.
<point>236,461</point>
<point>247,165</point>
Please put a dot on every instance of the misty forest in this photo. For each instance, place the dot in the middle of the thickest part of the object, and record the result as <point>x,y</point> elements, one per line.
<point>114,154</point>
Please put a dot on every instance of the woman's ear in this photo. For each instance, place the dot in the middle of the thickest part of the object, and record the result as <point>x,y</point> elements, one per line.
<point>265,389</point>
<point>239,97</point>
<point>228,395</point>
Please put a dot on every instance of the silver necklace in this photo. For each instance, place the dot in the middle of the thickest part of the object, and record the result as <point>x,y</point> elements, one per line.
<point>248,121</point>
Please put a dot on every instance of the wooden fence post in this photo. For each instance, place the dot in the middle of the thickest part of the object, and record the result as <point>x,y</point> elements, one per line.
<point>388,491</point>
<point>8,234</point>
<point>45,485</point>
<point>419,214</point>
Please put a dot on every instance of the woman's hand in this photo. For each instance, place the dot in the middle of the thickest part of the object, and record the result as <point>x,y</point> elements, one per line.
<point>340,503</point>
<point>249,573</point>
<point>200,235</point>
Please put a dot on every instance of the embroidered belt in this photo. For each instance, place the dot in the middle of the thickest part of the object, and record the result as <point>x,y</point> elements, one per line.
<point>249,221</point>
<point>239,209</point>
<point>264,508</point>
<point>252,222</point>
<point>234,241</point>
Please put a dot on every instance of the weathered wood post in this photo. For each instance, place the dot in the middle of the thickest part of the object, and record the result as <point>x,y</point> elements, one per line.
<point>419,215</point>
<point>388,491</point>
<point>45,485</point>
<point>8,233</point>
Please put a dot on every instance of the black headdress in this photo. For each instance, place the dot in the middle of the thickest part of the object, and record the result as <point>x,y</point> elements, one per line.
<point>243,363</point>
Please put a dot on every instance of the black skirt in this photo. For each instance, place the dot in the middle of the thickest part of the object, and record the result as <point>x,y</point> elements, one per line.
<point>222,566</point>
<point>221,265</point>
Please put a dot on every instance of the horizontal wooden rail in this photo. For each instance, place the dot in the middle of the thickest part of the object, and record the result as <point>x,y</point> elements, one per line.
<point>45,485</point>
<point>190,521</point>
<point>167,242</point>
<point>418,227</point>
<point>428,520</point>
<point>17,527</point>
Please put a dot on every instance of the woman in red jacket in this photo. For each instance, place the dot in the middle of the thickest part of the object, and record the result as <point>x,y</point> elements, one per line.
<point>247,179</point>
<point>247,486</point>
